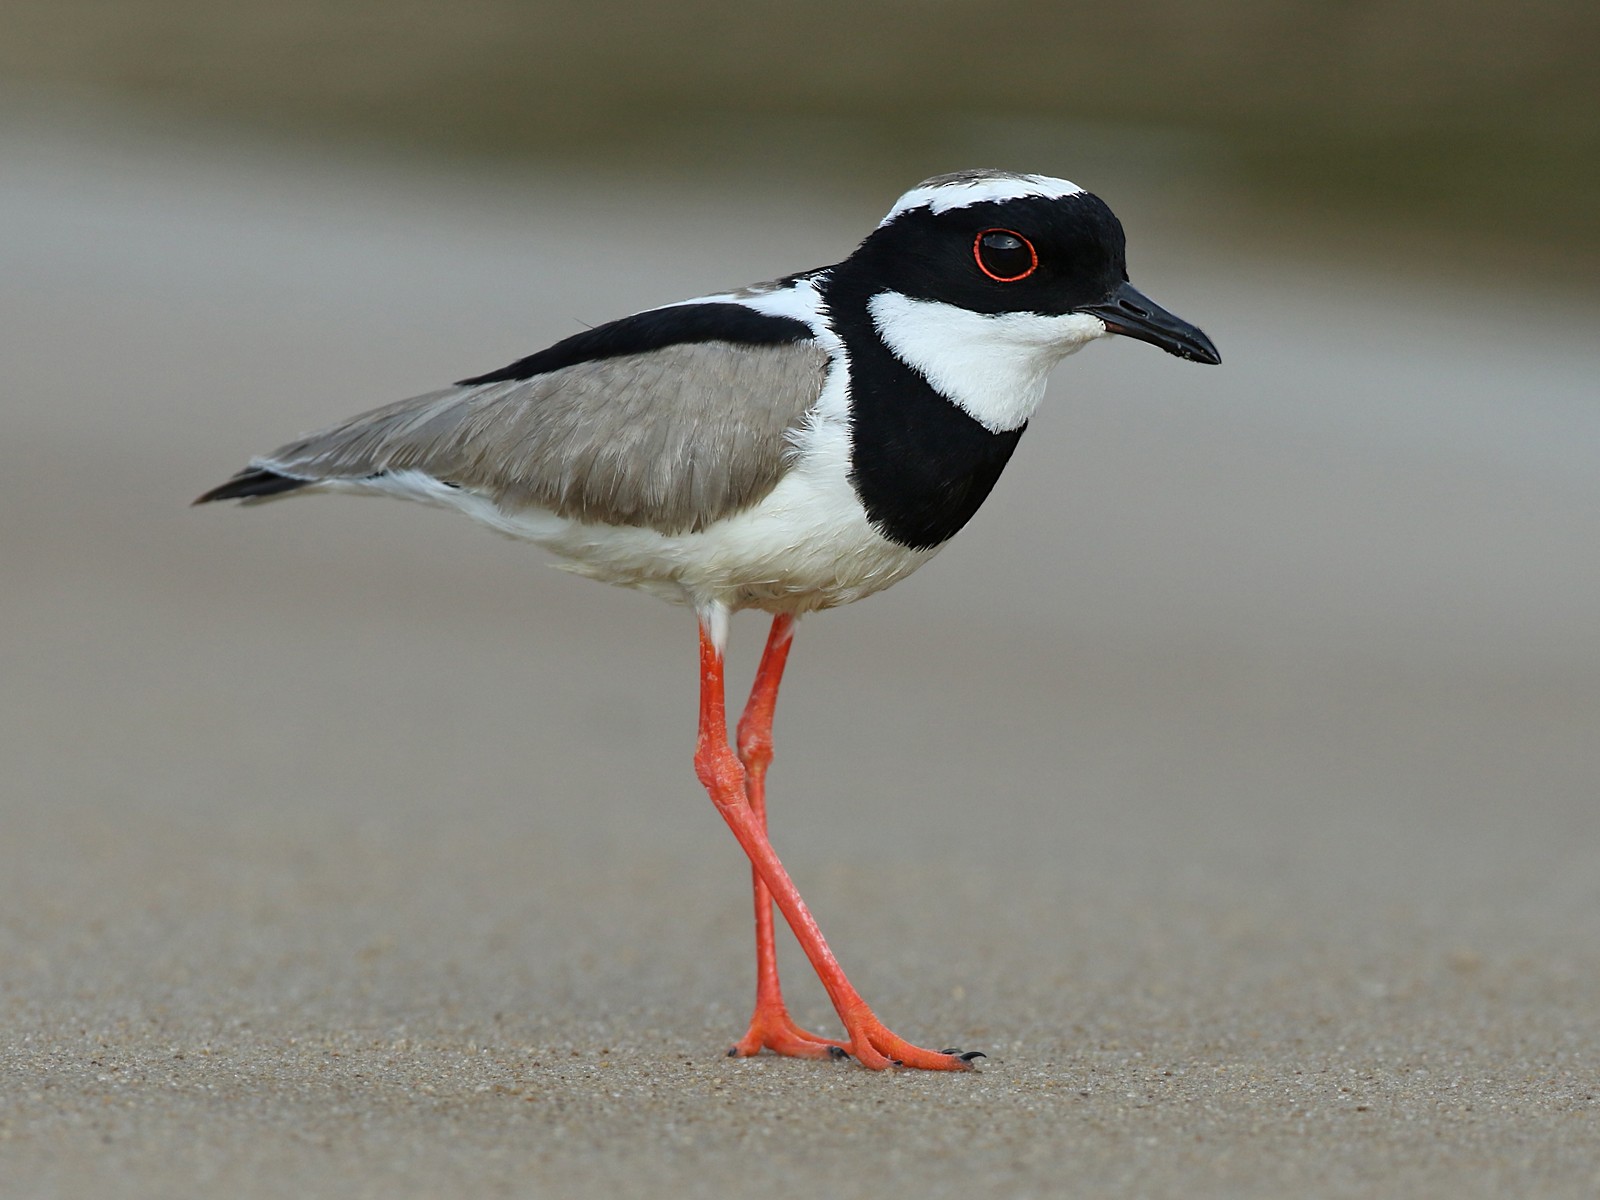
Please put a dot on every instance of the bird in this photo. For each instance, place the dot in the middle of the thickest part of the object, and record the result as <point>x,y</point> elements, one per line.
<point>789,447</point>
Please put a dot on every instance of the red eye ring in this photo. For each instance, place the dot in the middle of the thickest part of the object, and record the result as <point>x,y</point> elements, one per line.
<point>1005,260</point>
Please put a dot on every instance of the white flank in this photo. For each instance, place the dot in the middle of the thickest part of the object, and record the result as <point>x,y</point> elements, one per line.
<point>992,365</point>
<point>945,196</point>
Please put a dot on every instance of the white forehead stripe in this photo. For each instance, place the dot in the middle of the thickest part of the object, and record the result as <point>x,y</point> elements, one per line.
<point>959,193</point>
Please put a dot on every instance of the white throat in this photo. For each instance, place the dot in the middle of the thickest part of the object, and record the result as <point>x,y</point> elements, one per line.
<point>991,365</point>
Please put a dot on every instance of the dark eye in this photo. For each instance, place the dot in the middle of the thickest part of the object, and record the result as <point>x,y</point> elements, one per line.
<point>1004,256</point>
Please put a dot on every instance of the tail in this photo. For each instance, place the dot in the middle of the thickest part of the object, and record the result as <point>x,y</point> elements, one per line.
<point>254,484</point>
<point>420,433</point>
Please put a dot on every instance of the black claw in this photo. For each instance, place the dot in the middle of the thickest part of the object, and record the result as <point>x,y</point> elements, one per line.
<point>838,1052</point>
<point>733,1052</point>
<point>972,1054</point>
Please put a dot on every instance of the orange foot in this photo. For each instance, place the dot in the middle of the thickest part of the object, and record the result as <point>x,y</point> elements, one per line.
<point>873,1045</point>
<point>771,1028</point>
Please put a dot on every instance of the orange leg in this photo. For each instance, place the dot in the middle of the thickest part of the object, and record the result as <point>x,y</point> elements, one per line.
<point>719,769</point>
<point>771,1027</point>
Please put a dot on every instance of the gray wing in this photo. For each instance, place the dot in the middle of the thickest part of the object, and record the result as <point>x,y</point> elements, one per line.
<point>672,439</point>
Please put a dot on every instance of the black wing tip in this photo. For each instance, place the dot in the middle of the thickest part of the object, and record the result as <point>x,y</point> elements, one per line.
<point>253,483</point>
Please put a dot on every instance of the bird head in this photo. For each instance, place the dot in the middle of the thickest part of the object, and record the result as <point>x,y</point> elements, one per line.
<point>1042,254</point>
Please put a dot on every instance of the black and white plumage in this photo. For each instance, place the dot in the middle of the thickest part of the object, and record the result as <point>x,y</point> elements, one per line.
<point>792,446</point>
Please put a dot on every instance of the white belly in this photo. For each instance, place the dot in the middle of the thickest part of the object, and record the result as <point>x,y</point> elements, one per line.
<point>808,545</point>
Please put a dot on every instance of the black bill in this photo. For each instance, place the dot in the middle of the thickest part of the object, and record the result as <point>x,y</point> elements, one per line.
<point>1131,313</point>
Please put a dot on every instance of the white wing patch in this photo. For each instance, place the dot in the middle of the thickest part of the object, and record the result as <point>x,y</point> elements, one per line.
<point>798,298</point>
<point>992,365</point>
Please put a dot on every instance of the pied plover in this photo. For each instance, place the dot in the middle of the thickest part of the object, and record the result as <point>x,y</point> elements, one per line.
<point>788,447</point>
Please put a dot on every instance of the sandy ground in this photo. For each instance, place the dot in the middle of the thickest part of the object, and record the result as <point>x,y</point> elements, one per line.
<point>1233,781</point>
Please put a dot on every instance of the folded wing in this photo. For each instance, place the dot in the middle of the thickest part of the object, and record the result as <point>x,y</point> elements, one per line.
<point>672,439</point>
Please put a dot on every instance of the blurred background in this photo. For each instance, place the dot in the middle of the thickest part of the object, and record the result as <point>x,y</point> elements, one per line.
<point>1257,698</point>
<point>1459,123</point>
